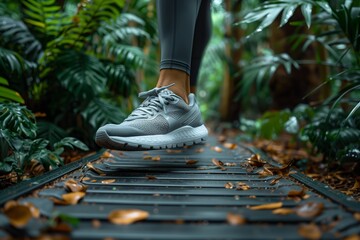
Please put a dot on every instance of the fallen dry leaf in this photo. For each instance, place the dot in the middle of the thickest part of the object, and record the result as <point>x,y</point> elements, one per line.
<point>35,212</point>
<point>147,157</point>
<point>92,167</point>
<point>235,219</point>
<point>256,161</point>
<point>18,215</point>
<point>356,185</point>
<point>283,211</point>
<point>107,154</point>
<point>150,177</point>
<point>191,162</point>
<point>352,237</point>
<point>297,194</point>
<point>156,158</point>
<point>229,185</point>
<point>275,180</point>
<point>221,138</point>
<point>310,231</point>
<point>75,186</point>
<point>96,223</point>
<point>267,206</point>
<point>85,179</point>
<point>127,216</point>
<point>309,209</point>
<point>174,150</point>
<point>217,149</point>
<point>94,180</point>
<point>357,216</point>
<point>69,198</point>
<point>218,163</point>
<point>10,204</point>
<point>108,181</point>
<point>230,145</point>
<point>242,186</point>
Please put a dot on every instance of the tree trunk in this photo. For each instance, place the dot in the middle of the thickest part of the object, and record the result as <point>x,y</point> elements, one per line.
<point>229,108</point>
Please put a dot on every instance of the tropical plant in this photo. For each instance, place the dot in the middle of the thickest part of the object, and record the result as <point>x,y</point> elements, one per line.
<point>333,128</point>
<point>74,66</point>
<point>19,146</point>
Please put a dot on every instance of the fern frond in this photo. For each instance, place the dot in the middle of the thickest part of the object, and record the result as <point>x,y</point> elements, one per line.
<point>88,19</point>
<point>128,55</point>
<point>120,79</point>
<point>50,131</point>
<point>81,74</point>
<point>100,112</point>
<point>44,17</point>
<point>16,36</point>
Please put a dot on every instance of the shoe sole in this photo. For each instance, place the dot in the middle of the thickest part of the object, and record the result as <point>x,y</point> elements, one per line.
<point>184,136</point>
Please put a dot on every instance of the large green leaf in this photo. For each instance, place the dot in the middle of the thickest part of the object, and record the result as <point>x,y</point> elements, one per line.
<point>71,143</point>
<point>7,94</point>
<point>50,132</point>
<point>81,74</point>
<point>17,119</point>
<point>16,36</point>
<point>100,112</point>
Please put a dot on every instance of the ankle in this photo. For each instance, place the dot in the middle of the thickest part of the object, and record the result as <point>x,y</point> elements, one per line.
<point>181,80</point>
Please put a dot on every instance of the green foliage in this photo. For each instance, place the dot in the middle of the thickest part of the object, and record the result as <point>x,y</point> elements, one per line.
<point>73,61</point>
<point>19,145</point>
<point>333,127</point>
<point>7,94</point>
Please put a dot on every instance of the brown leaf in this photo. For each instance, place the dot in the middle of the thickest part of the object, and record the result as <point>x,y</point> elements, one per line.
<point>221,138</point>
<point>275,180</point>
<point>96,223</point>
<point>356,185</point>
<point>267,206</point>
<point>310,231</point>
<point>107,154</point>
<point>296,194</point>
<point>91,167</point>
<point>108,181</point>
<point>156,158</point>
<point>310,209</point>
<point>242,186</point>
<point>69,198</point>
<point>217,149</point>
<point>147,157</point>
<point>191,162</point>
<point>256,161</point>
<point>218,163</point>
<point>281,171</point>
<point>35,212</point>
<point>18,215</point>
<point>127,216</point>
<point>10,204</point>
<point>283,211</point>
<point>174,150</point>
<point>357,216</point>
<point>235,219</point>
<point>229,185</point>
<point>85,179</point>
<point>75,186</point>
<point>150,177</point>
<point>230,145</point>
<point>93,181</point>
<point>352,237</point>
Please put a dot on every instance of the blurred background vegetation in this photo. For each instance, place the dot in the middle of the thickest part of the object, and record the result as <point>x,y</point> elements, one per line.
<point>69,66</point>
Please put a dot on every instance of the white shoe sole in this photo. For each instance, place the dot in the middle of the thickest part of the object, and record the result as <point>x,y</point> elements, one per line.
<point>184,136</point>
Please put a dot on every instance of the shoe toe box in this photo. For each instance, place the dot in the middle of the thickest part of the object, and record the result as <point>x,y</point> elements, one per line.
<point>119,130</point>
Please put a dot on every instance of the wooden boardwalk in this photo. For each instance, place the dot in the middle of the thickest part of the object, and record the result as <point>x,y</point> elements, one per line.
<point>200,192</point>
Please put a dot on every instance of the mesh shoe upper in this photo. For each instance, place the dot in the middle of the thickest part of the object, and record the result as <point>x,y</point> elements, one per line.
<point>160,113</point>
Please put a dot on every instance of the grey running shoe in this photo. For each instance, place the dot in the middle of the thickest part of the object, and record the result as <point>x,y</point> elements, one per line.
<point>162,121</point>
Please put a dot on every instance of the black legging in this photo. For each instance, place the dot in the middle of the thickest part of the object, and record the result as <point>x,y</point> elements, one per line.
<point>185,29</point>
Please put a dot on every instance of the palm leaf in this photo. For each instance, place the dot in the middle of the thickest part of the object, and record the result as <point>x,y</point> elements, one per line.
<point>15,35</point>
<point>81,74</point>
<point>100,112</point>
<point>120,78</point>
<point>44,17</point>
<point>50,131</point>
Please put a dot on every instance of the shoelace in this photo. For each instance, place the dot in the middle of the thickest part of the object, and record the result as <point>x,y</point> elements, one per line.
<point>154,101</point>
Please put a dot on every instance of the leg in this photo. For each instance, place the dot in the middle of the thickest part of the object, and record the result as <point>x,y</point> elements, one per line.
<point>201,39</point>
<point>176,20</point>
